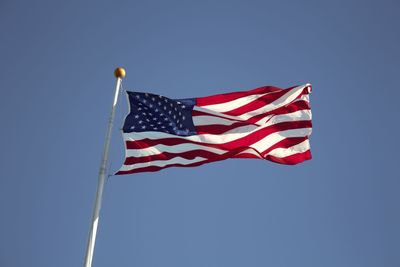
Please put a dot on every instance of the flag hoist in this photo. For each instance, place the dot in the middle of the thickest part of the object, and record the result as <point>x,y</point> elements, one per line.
<point>119,74</point>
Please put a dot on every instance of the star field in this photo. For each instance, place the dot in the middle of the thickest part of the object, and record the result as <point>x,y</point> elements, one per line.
<point>150,112</point>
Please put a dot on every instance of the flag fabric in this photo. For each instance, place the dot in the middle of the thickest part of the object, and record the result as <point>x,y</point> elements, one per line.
<point>265,123</point>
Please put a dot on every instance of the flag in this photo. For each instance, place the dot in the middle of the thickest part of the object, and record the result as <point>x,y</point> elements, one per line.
<point>265,123</point>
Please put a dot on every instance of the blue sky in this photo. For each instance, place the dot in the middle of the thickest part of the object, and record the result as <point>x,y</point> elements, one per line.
<point>56,79</point>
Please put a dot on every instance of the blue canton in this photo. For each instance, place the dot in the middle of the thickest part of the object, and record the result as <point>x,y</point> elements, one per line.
<point>150,112</point>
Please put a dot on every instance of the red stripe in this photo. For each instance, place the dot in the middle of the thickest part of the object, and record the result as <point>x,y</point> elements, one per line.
<point>223,98</point>
<point>167,155</point>
<point>256,104</point>
<point>156,168</point>
<point>244,141</point>
<point>293,159</point>
<point>247,156</point>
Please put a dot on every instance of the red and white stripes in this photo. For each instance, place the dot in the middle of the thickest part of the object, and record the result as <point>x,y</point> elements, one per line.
<point>267,123</point>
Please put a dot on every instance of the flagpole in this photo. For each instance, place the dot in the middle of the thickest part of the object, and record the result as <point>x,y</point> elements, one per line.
<point>119,74</point>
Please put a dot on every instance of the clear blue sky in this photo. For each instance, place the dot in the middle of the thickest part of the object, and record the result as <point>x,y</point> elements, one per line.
<point>56,78</point>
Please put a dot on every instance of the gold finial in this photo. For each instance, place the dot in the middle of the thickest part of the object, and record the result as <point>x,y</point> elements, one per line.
<point>119,73</point>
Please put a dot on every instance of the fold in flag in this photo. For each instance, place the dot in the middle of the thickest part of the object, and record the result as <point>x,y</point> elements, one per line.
<point>265,123</point>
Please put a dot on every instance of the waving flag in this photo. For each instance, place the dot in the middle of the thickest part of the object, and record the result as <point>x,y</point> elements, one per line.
<point>265,123</point>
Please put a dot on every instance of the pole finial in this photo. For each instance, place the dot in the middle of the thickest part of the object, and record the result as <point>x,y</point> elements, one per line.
<point>119,73</point>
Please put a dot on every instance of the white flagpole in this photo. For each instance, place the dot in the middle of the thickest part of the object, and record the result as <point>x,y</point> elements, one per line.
<point>119,74</point>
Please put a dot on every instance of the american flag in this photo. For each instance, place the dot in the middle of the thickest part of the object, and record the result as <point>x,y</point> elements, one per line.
<point>266,123</point>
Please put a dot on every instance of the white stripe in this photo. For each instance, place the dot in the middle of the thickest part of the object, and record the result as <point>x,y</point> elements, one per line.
<point>207,120</point>
<point>285,152</point>
<point>287,98</point>
<point>300,115</point>
<point>179,148</point>
<point>274,138</point>
<point>162,163</point>
<point>233,104</point>
<point>305,98</point>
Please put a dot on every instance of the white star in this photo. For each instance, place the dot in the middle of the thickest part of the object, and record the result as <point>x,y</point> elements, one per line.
<point>140,122</point>
<point>183,106</point>
<point>183,117</point>
<point>136,116</point>
<point>143,127</point>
